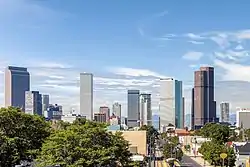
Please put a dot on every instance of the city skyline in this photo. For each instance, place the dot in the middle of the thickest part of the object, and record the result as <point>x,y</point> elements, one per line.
<point>138,48</point>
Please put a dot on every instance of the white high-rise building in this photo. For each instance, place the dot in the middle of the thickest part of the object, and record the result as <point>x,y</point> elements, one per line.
<point>145,109</point>
<point>171,107</point>
<point>242,118</point>
<point>33,103</point>
<point>117,109</point>
<point>224,112</point>
<point>86,95</point>
<point>45,102</point>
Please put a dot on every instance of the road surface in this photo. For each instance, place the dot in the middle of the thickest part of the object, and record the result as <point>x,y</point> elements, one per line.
<point>187,161</point>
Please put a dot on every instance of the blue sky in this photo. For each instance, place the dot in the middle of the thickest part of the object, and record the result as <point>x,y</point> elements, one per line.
<point>127,45</point>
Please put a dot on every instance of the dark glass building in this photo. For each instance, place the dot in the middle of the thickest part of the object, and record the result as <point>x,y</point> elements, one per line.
<point>17,82</point>
<point>204,106</point>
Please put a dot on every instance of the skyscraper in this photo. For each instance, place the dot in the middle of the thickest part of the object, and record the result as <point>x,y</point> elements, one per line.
<point>117,109</point>
<point>182,121</point>
<point>133,108</point>
<point>45,102</point>
<point>171,108</point>
<point>33,103</point>
<point>17,81</point>
<point>145,109</point>
<point>105,110</point>
<point>224,112</point>
<point>204,104</point>
<point>192,109</point>
<point>86,95</point>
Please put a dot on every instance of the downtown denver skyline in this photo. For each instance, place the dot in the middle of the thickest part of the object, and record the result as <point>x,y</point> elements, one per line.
<point>143,43</point>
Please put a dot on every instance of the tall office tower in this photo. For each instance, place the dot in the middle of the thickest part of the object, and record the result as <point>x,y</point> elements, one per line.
<point>224,112</point>
<point>45,102</point>
<point>117,109</point>
<point>133,108</point>
<point>86,95</point>
<point>182,122</point>
<point>17,81</point>
<point>204,104</point>
<point>170,102</point>
<point>105,110</point>
<point>33,103</point>
<point>145,109</point>
<point>192,109</point>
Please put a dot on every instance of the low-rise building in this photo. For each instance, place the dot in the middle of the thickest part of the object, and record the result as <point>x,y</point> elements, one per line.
<point>71,117</point>
<point>137,141</point>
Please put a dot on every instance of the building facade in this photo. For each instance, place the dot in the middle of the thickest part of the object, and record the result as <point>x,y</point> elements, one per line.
<point>45,102</point>
<point>100,117</point>
<point>117,110</point>
<point>33,103</point>
<point>133,108</point>
<point>71,117</point>
<point>17,81</point>
<point>242,118</point>
<point>86,95</point>
<point>182,122</point>
<point>105,110</point>
<point>145,109</point>
<point>54,112</point>
<point>224,112</point>
<point>204,103</point>
<point>170,108</point>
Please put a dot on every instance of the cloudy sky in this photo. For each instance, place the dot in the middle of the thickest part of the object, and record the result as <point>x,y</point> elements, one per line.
<point>126,45</point>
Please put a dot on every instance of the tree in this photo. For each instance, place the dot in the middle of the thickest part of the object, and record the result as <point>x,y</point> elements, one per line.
<point>152,134</point>
<point>151,131</point>
<point>211,151</point>
<point>84,143</point>
<point>217,132</point>
<point>21,135</point>
<point>171,150</point>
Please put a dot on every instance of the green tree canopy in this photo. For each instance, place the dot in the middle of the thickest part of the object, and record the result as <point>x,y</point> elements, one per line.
<point>171,150</point>
<point>21,135</point>
<point>84,143</point>
<point>151,133</point>
<point>217,132</point>
<point>211,151</point>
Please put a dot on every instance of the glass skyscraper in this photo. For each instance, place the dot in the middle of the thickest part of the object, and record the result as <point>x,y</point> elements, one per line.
<point>133,108</point>
<point>171,107</point>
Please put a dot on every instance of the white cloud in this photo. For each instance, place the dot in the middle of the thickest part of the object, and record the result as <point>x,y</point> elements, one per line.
<point>222,38</point>
<point>192,55</point>
<point>134,72</point>
<point>232,55</point>
<point>244,34</point>
<point>196,42</point>
<point>194,36</point>
<point>234,71</point>
<point>239,47</point>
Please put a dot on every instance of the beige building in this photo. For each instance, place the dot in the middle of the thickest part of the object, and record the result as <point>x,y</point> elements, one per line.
<point>137,141</point>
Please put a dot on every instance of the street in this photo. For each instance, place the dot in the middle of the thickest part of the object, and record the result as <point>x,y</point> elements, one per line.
<point>187,161</point>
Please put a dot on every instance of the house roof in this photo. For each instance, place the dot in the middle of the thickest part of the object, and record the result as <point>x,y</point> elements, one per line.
<point>244,150</point>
